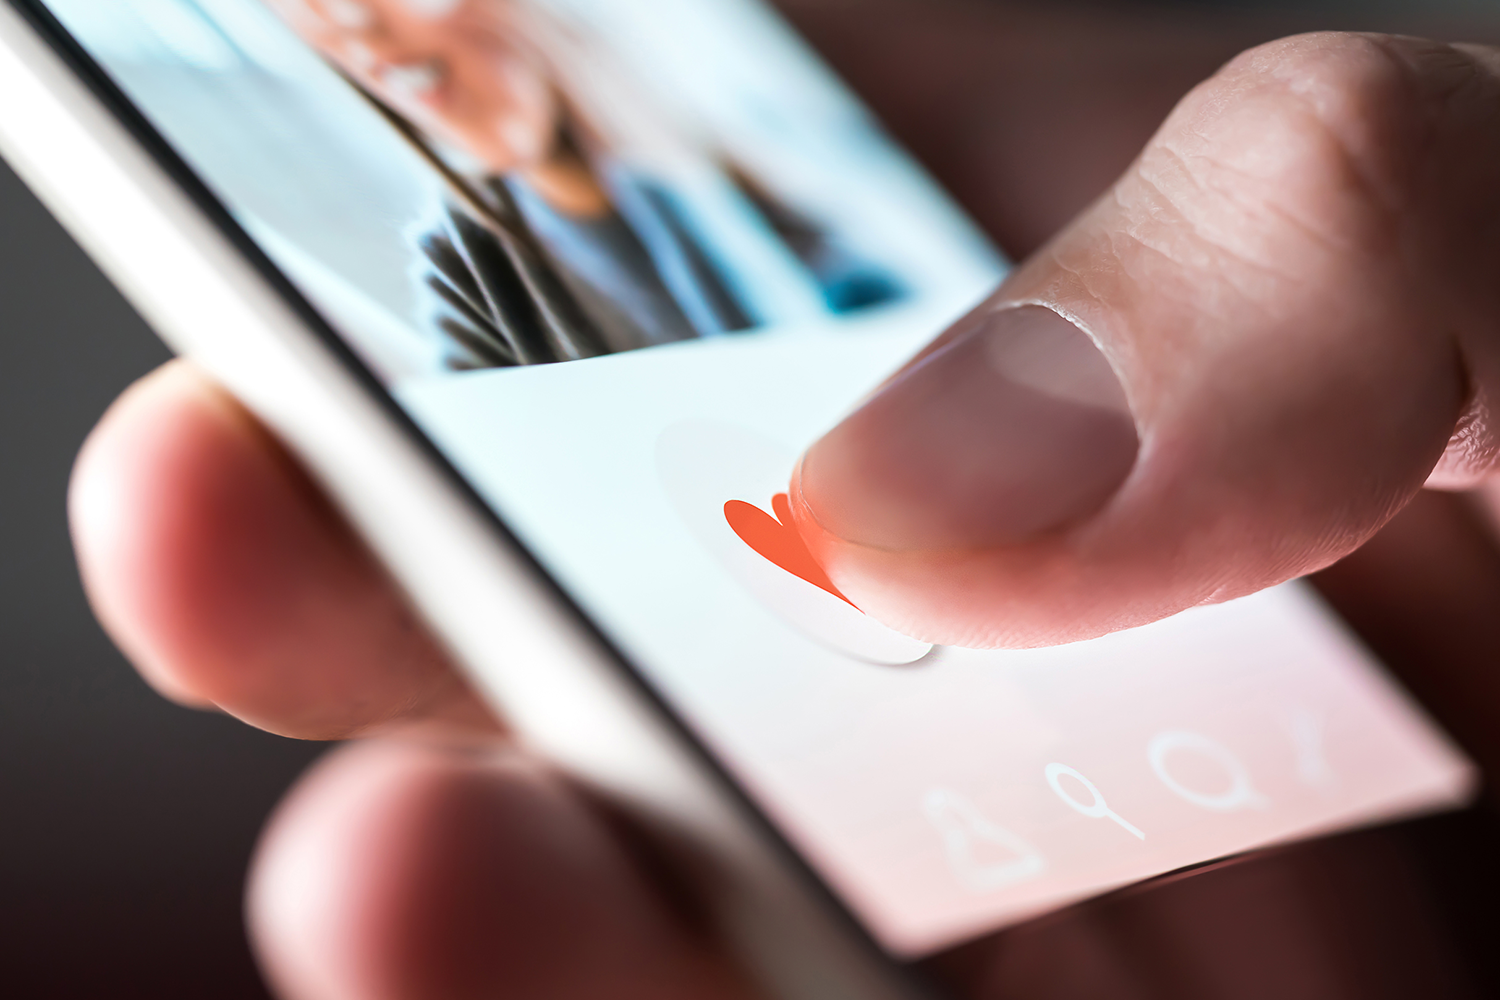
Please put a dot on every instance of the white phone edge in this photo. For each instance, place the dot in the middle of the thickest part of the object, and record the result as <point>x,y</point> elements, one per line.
<point>531,655</point>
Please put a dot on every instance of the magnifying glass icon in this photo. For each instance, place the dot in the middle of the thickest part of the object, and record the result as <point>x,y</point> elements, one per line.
<point>1097,809</point>
<point>1241,794</point>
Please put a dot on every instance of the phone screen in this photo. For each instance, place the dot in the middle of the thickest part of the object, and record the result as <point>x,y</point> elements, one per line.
<point>622,262</point>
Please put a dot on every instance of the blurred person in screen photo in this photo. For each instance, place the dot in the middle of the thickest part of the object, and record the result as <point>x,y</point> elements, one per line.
<point>567,234</point>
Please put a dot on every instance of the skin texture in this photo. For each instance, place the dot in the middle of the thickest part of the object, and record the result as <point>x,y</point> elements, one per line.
<point>1294,285</point>
<point>436,861</point>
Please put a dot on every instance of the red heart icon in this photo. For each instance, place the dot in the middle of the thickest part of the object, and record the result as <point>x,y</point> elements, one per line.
<point>776,540</point>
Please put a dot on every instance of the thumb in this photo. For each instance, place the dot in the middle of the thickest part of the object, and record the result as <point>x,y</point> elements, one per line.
<point>1230,372</point>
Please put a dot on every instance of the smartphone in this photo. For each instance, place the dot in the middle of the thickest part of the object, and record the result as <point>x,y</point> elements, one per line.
<point>549,295</point>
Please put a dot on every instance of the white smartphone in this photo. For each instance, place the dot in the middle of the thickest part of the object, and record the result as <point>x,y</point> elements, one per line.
<point>549,294</point>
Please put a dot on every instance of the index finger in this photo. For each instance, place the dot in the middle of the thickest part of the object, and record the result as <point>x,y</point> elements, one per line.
<point>218,567</point>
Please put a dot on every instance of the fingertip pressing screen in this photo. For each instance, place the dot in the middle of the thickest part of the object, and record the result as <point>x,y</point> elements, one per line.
<point>621,263</point>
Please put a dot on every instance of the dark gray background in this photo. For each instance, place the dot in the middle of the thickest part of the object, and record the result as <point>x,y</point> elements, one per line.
<point>125,823</point>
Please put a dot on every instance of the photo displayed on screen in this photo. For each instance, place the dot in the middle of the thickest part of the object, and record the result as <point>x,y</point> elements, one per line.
<point>554,198</point>
<point>572,227</point>
<point>469,191</point>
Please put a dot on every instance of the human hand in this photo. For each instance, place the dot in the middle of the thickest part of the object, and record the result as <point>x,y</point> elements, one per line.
<point>432,858</point>
<point>439,861</point>
<point>1232,370</point>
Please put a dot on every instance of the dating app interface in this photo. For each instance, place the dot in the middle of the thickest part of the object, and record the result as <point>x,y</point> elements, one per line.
<point>623,263</point>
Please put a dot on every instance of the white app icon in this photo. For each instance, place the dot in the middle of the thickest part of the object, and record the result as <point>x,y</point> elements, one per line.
<point>1305,727</point>
<point>729,485</point>
<point>1240,794</point>
<point>1096,807</point>
<point>984,855</point>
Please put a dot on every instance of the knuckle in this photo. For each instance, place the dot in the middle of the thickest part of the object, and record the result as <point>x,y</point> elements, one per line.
<point>1326,70</point>
<point>1317,112</point>
<point>1362,113</point>
<point>1331,141</point>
